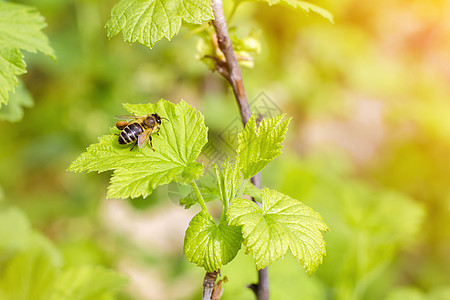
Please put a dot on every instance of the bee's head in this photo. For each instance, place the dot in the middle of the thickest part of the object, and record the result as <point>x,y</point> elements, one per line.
<point>158,118</point>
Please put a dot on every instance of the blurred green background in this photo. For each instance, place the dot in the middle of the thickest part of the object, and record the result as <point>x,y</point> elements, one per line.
<point>368,145</point>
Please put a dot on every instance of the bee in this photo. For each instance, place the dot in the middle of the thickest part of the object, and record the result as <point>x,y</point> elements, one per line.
<point>138,129</point>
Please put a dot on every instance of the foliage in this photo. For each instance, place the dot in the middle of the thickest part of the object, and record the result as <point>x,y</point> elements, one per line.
<point>207,244</point>
<point>284,223</point>
<point>149,21</point>
<point>20,29</point>
<point>258,147</point>
<point>137,173</point>
<point>32,267</point>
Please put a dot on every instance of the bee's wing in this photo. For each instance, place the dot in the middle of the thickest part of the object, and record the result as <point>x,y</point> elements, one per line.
<point>125,117</point>
<point>143,138</point>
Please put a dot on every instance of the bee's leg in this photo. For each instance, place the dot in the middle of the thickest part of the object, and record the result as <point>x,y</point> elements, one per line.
<point>150,140</point>
<point>133,146</point>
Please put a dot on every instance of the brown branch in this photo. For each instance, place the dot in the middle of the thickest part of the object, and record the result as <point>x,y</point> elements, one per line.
<point>208,284</point>
<point>232,72</point>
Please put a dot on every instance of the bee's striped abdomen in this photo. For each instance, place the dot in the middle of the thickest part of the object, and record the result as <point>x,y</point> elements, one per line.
<point>130,133</point>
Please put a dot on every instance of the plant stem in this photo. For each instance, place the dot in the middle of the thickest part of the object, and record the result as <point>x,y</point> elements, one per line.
<point>199,196</point>
<point>231,71</point>
<point>208,284</point>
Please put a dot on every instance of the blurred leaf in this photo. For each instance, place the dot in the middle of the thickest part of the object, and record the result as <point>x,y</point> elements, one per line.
<point>258,147</point>
<point>306,6</point>
<point>20,29</point>
<point>137,173</point>
<point>87,283</point>
<point>409,293</point>
<point>369,225</point>
<point>211,246</point>
<point>414,293</point>
<point>148,21</point>
<point>15,233</point>
<point>31,273</point>
<point>13,110</point>
<point>283,223</point>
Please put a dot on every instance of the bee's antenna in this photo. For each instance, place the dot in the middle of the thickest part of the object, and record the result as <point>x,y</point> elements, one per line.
<point>165,119</point>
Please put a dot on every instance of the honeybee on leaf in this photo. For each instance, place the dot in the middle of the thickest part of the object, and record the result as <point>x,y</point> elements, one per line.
<point>138,129</point>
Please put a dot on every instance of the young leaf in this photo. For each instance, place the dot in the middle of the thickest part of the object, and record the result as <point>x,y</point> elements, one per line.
<point>211,246</point>
<point>306,6</point>
<point>257,147</point>
<point>138,172</point>
<point>228,181</point>
<point>20,29</point>
<point>148,21</point>
<point>87,282</point>
<point>283,223</point>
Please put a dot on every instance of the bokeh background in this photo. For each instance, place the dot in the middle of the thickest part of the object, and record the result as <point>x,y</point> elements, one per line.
<point>368,146</point>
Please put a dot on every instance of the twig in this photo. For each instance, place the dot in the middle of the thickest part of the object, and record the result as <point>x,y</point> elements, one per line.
<point>208,284</point>
<point>234,75</point>
<point>232,72</point>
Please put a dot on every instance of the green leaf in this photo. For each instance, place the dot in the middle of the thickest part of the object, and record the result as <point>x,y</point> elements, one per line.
<point>306,6</point>
<point>283,223</point>
<point>257,147</point>
<point>86,283</point>
<point>13,110</point>
<point>211,246</point>
<point>138,172</point>
<point>31,273</point>
<point>20,29</point>
<point>11,66</point>
<point>228,181</point>
<point>148,21</point>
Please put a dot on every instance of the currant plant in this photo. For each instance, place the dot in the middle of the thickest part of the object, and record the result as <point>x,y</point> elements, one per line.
<point>283,223</point>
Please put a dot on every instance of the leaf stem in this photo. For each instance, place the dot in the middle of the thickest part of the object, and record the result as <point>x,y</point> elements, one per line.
<point>199,196</point>
<point>242,188</point>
